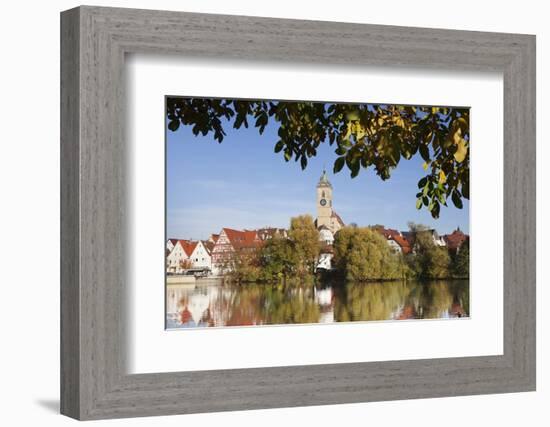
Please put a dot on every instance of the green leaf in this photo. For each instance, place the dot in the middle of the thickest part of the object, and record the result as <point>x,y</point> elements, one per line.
<point>422,183</point>
<point>418,203</point>
<point>279,146</point>
<point>424,152</point>
<point>435,210</point>
<point>303,162</point>
<point>456,199</point>
<point>355,168</point>
<point>340,151</point>
<point>288,154</point>
<point>339,164</point>
<point>174,125</point>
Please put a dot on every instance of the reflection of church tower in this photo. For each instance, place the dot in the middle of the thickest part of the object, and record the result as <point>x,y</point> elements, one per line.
<point>325,214</point>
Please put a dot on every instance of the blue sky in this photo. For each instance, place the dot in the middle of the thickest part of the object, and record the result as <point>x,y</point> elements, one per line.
<point>242,183</point>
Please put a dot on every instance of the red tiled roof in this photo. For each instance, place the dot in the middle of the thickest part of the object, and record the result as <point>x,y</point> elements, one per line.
<point>402,242</point>
<point>242,239</point>
<point>188,246</point>
<point>455,239</point>
<point>391,234</point>
<point>214,237</point>
<point>388,232</point>
<point>173,241</point>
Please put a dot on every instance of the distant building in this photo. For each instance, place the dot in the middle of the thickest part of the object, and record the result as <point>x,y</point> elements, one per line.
<point>455,240</point>
<point>411,237</point>
<point>267,233</point>
<point>325,235</point>
<point>200,257</point>
<point>229,243</point>
<point>395,239</point>
<point>326,216</point>
<point>180,253</point>
<point>170,243</point>
<point>187,254</point>
<point>328,222</point>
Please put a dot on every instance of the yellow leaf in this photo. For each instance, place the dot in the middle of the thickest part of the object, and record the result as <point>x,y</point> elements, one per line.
<point>425,165</point>
<point>442,177</point>
<point>359,132</point>
<point>353,115</point>
<point>461,151</point>
<point>348,132</point>
<point>457,136</point>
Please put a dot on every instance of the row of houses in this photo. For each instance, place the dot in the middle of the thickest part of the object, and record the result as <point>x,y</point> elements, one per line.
<point>215,255</point>
<point>405,241</point>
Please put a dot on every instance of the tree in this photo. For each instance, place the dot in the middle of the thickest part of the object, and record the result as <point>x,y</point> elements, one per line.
<point>363,254</point>
<point>461,262</point>
<point>244,266</point>
<point>278,258</point>
<point>428,260</point>
<point>437,262</point>
<point>364,136</point>
<point>305,237</point>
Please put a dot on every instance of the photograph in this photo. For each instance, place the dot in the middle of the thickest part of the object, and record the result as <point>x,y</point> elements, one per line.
<point>283,212</point>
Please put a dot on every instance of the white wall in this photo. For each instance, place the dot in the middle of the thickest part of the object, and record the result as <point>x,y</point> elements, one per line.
<point>29,177</point>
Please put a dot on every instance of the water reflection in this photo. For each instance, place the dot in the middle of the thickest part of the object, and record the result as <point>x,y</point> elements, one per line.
<point>210,303</point>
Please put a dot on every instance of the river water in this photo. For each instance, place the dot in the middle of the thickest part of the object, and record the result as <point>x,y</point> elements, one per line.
<point>209,303</point>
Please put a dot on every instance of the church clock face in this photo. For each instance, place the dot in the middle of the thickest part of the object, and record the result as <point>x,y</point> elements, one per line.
<point>323,202</point>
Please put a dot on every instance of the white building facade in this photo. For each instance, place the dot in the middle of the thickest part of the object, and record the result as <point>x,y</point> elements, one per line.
<point>200,257</point>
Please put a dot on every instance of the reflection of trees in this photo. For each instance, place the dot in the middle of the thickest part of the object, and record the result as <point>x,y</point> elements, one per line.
<point>291,305</point>
<point>439,299</point>
<point>370,301</point>
<point>241,305</point>
<point>461,296</point>
<point>400,300</point>
<point>263,304</point>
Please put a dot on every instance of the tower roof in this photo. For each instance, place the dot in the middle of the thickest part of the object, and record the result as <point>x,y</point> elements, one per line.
<point>323,181</point>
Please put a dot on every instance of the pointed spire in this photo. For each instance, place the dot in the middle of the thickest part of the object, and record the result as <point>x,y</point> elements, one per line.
<point>323,181</point>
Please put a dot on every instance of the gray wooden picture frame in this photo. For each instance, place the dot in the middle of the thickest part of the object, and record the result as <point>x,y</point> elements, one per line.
<point>94,41</point>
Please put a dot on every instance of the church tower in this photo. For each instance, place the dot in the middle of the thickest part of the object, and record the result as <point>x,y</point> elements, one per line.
<point>324,201</point>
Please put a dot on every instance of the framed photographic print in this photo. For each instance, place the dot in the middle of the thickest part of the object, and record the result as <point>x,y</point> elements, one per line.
<point>270,267</point>
<point>287,213</point>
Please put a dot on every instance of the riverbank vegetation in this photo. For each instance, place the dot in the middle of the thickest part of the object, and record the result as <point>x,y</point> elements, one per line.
<point>279,258</point>
<point>359,254</point>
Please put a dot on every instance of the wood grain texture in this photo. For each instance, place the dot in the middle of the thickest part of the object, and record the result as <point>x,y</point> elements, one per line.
<point>70,291</point>
<point>94,382</point>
